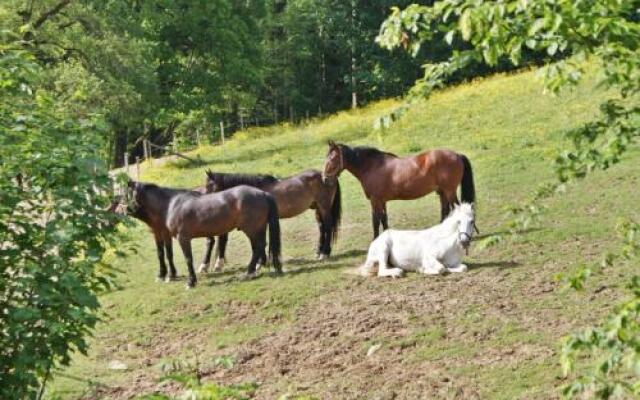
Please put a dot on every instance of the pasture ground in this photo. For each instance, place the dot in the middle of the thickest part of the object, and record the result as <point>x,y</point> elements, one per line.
<point>494,332</point>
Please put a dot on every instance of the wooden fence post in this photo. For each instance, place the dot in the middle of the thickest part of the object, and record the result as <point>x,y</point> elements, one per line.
<point>137,168</point>
<point>145,150</point>
<point>126,162</point>
<point>222,132</point>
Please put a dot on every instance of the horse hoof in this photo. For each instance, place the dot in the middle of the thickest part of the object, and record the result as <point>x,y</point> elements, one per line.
<point>258,266</point>
<point>190,285</point>
<point>248,276</point>
<point>203,268</point>
<point>278,272</point>
<point>322,257</point>
<point>219,265</point>
<point>160,279</point>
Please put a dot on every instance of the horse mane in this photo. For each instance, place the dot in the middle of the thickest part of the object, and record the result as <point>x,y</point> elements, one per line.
<point>462,208</point>
<point>164,191</point>
<point>227,181</point>
<point>357,155</point>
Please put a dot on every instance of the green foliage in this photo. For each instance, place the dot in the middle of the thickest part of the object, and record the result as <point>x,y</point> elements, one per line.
<point>227,362</point>
<point>615,343</point>
<point>607,31</point>
<point>54,230</point>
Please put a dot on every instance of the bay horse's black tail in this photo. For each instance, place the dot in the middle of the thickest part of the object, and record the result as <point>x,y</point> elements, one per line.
<point>274,233</point>
<point>468,189</point>
<point>336,212</point>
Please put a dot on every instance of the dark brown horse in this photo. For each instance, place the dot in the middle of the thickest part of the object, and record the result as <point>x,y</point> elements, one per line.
<point>294,195</point>
<point>385,176</point>
<point>164,242</point>
<point>187,214</point>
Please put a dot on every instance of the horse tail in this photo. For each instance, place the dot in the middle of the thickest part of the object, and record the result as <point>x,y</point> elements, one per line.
<point>274,232</point>
<point>468,189</point>
<point>336,212</point>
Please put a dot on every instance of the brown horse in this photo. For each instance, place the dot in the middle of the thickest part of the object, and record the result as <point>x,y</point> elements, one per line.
<point>294,195</point>
<point>188,214</point>
<point>164,242</point>
<point>385,176</point>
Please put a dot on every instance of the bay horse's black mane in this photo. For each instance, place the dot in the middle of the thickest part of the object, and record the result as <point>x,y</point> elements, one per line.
<point>359,154</point>
<point>227,181</point>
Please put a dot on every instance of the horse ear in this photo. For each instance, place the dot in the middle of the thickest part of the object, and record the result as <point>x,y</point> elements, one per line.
<point>332,144</point>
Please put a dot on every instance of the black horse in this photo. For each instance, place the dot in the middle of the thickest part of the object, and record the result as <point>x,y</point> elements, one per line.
<point>186,214</point>
<point>294,195</point>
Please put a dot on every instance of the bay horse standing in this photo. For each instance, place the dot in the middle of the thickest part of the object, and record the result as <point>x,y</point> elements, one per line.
<point>385,176</point>
<point>294,195</point>
<point>189,214</point>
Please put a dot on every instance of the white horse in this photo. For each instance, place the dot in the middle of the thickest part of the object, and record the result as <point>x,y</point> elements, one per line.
<point>431,251</point>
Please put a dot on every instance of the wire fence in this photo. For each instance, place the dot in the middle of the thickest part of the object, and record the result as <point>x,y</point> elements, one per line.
<point>213,135</point>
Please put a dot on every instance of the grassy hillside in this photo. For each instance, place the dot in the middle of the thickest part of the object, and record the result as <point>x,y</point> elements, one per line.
<point>493,332</point>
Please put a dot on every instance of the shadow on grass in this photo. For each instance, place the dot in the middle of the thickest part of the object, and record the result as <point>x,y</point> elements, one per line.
<point>504,233</point>
<point>333,258</point>
<point>304,266</point>
<point>494,264</point>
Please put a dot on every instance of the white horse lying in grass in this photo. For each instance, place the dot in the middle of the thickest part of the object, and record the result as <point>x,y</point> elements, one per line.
<point>431,251</point>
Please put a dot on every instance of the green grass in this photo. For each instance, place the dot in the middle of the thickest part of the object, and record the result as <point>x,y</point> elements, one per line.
<point>494,331</point>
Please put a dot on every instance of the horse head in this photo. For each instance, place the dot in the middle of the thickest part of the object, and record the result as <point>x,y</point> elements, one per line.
<point>465,215</point>
<point>212,184</point>
<point>135,201</point>
<point>334,164</point>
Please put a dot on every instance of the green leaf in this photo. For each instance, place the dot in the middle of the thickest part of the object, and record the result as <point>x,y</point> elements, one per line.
<point>465,24</point>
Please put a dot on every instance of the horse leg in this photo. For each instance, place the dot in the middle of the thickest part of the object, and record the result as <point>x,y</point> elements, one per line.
<point>262,253</point>
<point>445,207</point>
<point>383,264</point>
<point>376,214</point>
<point>383,219</point>
<point>185,244</point>
<point>326,226</point>
<point>162,272</point>
<point>206,260</point>
<point>168,245</point>
<point>255,255</point>
<point>431,266</point>
<point>458,268</point>
<point>322,234</point>
<point>222,248</point>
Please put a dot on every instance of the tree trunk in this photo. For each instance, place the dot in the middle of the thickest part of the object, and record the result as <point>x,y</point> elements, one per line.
<point>119,147</point>
<point>354,94</point>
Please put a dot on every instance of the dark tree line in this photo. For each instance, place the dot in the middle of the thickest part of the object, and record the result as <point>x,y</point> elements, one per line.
<point>166,69</point>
